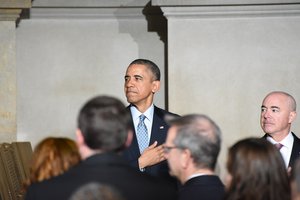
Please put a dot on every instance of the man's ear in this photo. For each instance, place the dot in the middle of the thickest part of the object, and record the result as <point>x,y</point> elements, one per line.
<point>155,86</point>
<point>129,138</point>
<point>185,158</point>
<point>79,137</point>
<point>292,116</point>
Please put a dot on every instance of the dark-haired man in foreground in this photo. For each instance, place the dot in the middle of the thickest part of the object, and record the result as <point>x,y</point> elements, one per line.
<point>102,132</point>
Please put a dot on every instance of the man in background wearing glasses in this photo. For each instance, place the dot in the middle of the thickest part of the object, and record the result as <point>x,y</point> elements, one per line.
<point>192,148</point>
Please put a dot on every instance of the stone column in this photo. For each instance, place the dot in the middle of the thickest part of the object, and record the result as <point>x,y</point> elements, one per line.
<point>9,14</point>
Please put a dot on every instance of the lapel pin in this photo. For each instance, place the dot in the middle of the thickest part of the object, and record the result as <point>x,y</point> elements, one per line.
<point>161,127</point>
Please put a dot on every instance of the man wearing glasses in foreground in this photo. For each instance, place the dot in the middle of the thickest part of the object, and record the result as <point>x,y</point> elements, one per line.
<point>192,148</point>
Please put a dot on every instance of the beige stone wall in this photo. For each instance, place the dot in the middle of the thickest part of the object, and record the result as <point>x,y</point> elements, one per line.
<point>9,13</point>
<point>8,91</point>
<point>65,56</point>
<point>224,60</point>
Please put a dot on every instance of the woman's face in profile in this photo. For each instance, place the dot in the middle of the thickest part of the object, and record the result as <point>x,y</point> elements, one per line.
<point>295,193</point>
<point>228,179</point>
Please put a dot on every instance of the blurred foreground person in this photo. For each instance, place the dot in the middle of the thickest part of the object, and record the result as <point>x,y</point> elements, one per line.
<point>96,191</point>
<point>295,180</point>
<point>103,131</point>
<point>192,148</point>
<point>51,157</point>
<point>257,171</point>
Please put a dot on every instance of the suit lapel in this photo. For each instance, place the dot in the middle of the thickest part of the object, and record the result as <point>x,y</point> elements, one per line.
<point>158,132</point>
<point>159,127</point>
<point>295,150</point>
<point>134,146</point>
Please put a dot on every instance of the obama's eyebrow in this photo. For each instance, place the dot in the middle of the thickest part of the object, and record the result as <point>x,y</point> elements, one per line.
<point>135,76</point>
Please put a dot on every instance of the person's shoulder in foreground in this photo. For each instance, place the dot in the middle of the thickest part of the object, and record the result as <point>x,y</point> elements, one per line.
<point>131,184</point>
<point>256,170</point>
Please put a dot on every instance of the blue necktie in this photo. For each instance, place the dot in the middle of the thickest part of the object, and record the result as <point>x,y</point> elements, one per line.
<point>142,134</point>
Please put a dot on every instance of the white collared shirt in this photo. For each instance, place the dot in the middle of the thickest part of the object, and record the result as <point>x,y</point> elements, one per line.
<point>195,175</point>
<point>148,120</point>
<point>286,149</point>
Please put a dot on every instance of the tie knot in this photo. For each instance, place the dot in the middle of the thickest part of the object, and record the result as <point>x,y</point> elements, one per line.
<point>278,146</point>
<point>142,117</point>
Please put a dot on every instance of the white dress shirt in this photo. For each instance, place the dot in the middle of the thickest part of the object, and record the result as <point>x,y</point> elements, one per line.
<point>286,149</point>
<point>148,120</point>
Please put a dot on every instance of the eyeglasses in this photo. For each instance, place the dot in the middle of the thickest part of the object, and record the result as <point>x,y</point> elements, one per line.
<point>168,149</point>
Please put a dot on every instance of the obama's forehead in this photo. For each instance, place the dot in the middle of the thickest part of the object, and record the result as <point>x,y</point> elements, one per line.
<point>138,70</point>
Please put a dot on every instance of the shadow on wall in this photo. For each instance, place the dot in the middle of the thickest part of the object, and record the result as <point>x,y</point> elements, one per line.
<point>156,21</point>
<point>25,14</point>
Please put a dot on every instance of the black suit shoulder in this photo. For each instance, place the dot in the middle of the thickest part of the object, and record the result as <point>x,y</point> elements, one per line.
<point>103,169</point>
<point>295,150</point>
<point>162,112</point>
<point>296,139</point>
<point>206,187</point>
<point>162,117</point>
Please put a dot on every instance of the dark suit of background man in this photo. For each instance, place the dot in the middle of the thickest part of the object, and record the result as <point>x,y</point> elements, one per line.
<point>103,130</point>
<point>192,148</point>
<point>142,81</point>
<point>278,111</point>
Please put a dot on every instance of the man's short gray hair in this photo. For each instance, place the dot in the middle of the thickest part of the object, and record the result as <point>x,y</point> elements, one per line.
<point>203,142</point>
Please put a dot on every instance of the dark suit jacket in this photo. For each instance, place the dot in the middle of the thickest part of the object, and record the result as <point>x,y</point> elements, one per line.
<point>206,187</point>
<point>106,169</point>
<point>295,151</point>
<point>158,133</point>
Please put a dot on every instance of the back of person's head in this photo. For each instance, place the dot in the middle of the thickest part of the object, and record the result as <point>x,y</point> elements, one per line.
<point>53,156</point>
<point>201,135</point>
<point>150,65</point>
<point>104,123</point>
<point>295,180</point>
<point>256,171</point>
<point>96,191</point>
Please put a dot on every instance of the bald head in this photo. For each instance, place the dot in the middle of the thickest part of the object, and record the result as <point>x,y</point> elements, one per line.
<point>289,98</point>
